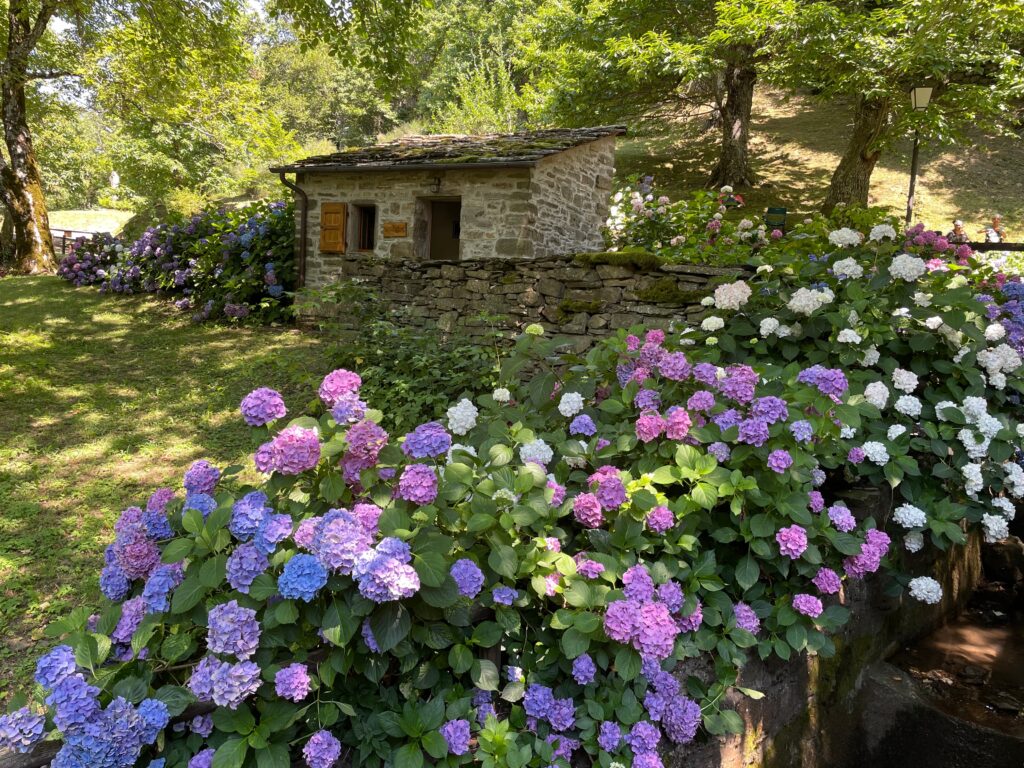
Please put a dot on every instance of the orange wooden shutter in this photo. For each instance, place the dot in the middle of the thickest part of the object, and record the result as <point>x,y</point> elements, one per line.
<point>333,219</point>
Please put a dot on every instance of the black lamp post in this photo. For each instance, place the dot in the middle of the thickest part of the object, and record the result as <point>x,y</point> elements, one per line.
<point>919,98</point>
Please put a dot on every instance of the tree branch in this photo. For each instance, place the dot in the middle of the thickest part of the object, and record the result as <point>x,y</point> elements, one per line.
<point>50,74</point>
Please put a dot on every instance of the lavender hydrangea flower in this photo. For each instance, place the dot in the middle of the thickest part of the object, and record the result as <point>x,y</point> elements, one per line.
<point>262,406</point>
<point>302,578</point>
<point>200,682</point>
<point>21,730</point>
<point>161,582</point>
<point>779,461</point>
<point>272,531</point>
<point>132,612</point>
<point>720,451</point>
<point>55,666</point>
<point>538,701</point>
<point>234,683</point>
<point>340,539</point>
<point>671,594</point>
<point>244,565</point>
<point>771,409</point>
<point>456,735</point>
<point>348,408</point>
<point>609,736</point>
<point>201,477</point>
<point>583,425</point>
<point>792,541</point>
<point>246,515</point>
<point>562,714</point>
<point>295,449</point>
<point>202,759</point>
<point>584,669</point>
<point>808,605</point>
<point>418,484</point>
<point>322,750</point>
<point>681,720</point>
<point>746,619</point>
<point>701,400</point>
<point>827,581</point>
<point>338,383</point>
<point>842,518</point>
<point>691,622</point>
<point>233,630</point>
<point>638,583</point>
<point>427,440</point>
<point>159,499</point>
<point>468,577</point>
<point>802,431</point>
<point>643,737</point>
<point>503,595</point>
<point>292,682</point>
<point>388,578</point>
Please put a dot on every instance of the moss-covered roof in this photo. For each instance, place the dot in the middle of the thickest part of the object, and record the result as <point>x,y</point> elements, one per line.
<point>449,150</point>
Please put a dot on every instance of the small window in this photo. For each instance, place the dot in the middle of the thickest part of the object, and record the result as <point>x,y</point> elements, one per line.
<point>365,227</point>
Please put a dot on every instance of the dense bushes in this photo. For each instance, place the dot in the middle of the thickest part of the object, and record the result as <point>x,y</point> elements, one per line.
<point>522,596</point>
<point>228,263</point>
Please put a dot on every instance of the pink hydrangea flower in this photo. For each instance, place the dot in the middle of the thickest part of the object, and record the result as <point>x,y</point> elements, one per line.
<point>792,541</point>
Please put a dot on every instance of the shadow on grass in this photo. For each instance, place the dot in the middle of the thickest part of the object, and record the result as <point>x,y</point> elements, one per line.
<point>103,399</point>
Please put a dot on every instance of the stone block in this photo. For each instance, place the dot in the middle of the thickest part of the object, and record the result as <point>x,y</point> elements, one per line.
<point>550,287</point>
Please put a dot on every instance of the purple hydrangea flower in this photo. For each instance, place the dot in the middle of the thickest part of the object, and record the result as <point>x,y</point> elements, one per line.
<point>731,418</point>
<point>586,508</point>
<point>779,461</point>
<point>829,381</point>
<point>739,383</point>
<point>792,541</point>
<point>161,582</point>
<point>159,499</point>
<point>55,666</point>
<point>418,484</point>
<point>815,501</point>
<point>802,431</point>
<point>808,605</point>
<point>657,631</point>
<point>753,432</point>
<point>262,406</point>
<point>562,714</point>
<point>677,423</point>
<point>348,408</point>
<point>427,440</point>
<point>622,620</point>
<point>674,366</point>
<point>583,425</point>
<point>234,683</point>
<point>771,409</point>
<point>302,578</point>
<point>322,750</point>
<point>681,720</point>
<point>247,514</point>
<point>660,519</point>
<point>201,477</point>
<point>609,736</point>
<point>272,531</point>
<point>21,730</point>
<point>827,581</point>
<point>295,449</point>
<point>856,455</point>
<point>610,490</point>
<point>340,539</point>
<point>244,565</point>
<point>842,518</point>
<point>875,547</point>
<point>200,682</point>
<point>135,554</point>
<point>746,618</point>
<point>701,400</point>
<point>503,595</point>
<point>456,735</point>
<point>584,669</point>
<point>692,622</point>
<point>720,451</point>
<point>202,759</point>
<point>538,701</point>
<point>233,630</point>
<point>388,578</point>
<point>292,682</point>
<point>468,577</point>
<point>368,638</point>
<point>643,737</point>
<point>638,583</point>
<point>338,383</point>
<point>132,612</point>
<point>671,594</point>
<point>589,569</point>
<point>647,399</point>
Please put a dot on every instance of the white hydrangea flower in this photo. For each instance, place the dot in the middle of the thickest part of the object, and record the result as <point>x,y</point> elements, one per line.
<point>972,479</point>
<point>907,267</point>
<point>783,331</point>
<point>769,326</point>
<point>713,323</point>
<point>974,408</point>
<point>844,237</point>
<point>536,451</point>
<point>913,541</point>
<point>961,354</point>
<point>876,452</point>
<point>505,494</point>
<point>462,417</point>
<point>881,232</point>
<point>726,190</point>
<point>995,528</point>
<point>806,300</point>
<point>765,268</point>
<point>877,394</point>
<point>997,380</point>
<point>1020,430</point>
<point>988,425</point>
<point>994,332</point>
<point>848,269</point>
<point>1005,506</point>
<point>732,295</point>
<point>849,336</point>
<point>910,516</point>
<point>933,323</point>
<point>717,216</point>
<point>923,299</point>
<point>943,405</point>
<point>976,447</point>
<point>501,395</point>
<point>871,356</point>
<point>847,433</point>
<point>926,589</point>
<point>576,462</point>
<point>710,341</point>
<point>853,318</point>
<point>745,224</point>
<point>895,431</point>
<point>909,405</point>
<point>570,404</point>
<point>1001,359</point>
<point>707,301</point>
<point>460,447</point>
<point>903,380</point>
<point>1014,479</point>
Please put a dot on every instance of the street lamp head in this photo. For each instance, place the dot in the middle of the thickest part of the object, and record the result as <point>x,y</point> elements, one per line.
<point>919,97</point>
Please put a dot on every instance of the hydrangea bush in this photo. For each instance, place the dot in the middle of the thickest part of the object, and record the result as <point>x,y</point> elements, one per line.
<point>515,584</point>
<point>228,263</point>
<point>89,259</point>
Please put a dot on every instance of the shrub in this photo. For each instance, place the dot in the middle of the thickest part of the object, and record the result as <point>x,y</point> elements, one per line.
<point>229,263</point>
<point>88,259</point>
<point>600,519</point>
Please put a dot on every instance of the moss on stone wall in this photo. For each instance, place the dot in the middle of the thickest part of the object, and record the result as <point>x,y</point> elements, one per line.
<point>571,306</point>
<point>665,290</point>
<point>627,257</point>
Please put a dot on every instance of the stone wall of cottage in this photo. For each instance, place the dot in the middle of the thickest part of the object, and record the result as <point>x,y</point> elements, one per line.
<point>569,295</point>
<point>555,207</point>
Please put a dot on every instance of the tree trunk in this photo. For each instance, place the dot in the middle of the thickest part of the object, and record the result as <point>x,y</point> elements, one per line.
<point>21,184</point>
<point>733,167</point>
<point>852,178</point>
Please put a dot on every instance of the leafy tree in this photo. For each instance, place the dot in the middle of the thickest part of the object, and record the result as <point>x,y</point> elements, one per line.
<point>873,53</point>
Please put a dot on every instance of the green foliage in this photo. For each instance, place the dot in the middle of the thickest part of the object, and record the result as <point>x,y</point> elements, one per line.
<point>411,374</point>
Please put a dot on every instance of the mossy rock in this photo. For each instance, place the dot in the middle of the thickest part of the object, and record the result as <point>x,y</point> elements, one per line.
<point>665,290</point>
<point>572,306</point>
<point>627,257</point>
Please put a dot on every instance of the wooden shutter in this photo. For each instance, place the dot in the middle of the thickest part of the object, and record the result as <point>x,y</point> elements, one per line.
<point>333,221</point>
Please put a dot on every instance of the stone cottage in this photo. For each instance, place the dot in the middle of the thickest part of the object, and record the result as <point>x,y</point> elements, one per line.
<point>453,198</point>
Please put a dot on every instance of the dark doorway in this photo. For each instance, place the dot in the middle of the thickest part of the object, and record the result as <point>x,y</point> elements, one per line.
<point>445,224</point>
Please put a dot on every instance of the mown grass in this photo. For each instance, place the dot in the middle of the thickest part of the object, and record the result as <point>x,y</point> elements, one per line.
<point>796,144</point>
<point>103,399</point>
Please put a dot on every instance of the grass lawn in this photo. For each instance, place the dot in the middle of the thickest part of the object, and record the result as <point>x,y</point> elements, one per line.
<point>796,145</point>
<point>102,400</point>
<point>98,220</point>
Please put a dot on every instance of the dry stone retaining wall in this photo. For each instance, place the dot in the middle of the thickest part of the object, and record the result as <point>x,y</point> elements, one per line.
<point>572,296</point>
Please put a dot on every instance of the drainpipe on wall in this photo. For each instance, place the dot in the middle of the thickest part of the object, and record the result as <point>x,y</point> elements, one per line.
<point>303,217</point>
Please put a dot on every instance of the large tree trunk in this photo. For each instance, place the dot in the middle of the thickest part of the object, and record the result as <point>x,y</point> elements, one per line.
<point>733,167</point>
<point>21,185</point>
<point>852,178</point>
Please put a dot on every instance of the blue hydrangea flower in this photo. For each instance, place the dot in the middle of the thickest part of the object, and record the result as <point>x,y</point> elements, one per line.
<point>247,514</point>
<point>583,669</point>
<point>113,583</point>
<point>244,565</point>
<point>468,577</point>
<point>201,501</point>
<point>503,595</point>
<point>21,730</point>
<point>55,666</point>
<point>302,578</point>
